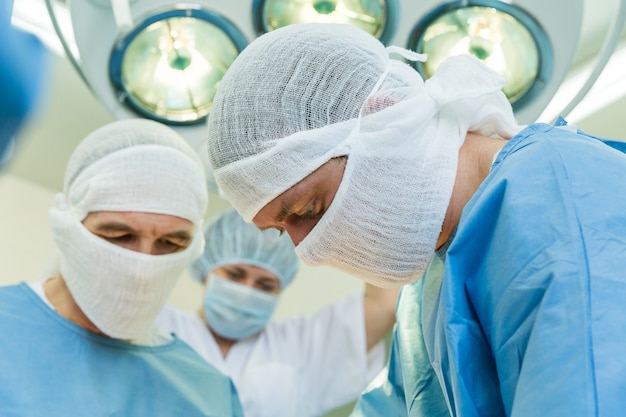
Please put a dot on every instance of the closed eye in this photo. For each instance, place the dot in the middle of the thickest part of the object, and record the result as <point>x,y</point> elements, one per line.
<point>234,274</point>
<point>268,288</point>
<point>125,238</point>
<point>311,212</point>
<point>269,285</point>
<point>173,246</point>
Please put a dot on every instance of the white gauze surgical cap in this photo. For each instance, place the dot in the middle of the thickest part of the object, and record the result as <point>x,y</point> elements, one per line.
<point>230,240</point>
<point>136,165</point>
<point>303,94</point>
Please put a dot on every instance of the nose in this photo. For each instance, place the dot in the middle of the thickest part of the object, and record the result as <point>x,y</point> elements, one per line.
<point>248,281</point>
<point>299,228</point>
<point>297,233</point>
<point>145,246</point>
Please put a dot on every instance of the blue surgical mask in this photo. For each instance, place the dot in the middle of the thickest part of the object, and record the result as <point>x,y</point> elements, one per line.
<point>236,311</point>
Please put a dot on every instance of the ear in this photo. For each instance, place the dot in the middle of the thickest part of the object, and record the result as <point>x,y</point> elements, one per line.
<point>376,103</point>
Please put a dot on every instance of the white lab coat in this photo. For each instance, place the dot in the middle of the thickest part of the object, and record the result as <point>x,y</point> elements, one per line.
<point>300,366</point>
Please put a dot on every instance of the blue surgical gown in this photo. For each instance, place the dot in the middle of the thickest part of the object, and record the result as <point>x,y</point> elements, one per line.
<point>51,367</point>
<point>526,316</point>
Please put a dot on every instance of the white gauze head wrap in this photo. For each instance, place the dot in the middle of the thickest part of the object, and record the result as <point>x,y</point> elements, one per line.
<point>301,95</point>
<point>130,165</point>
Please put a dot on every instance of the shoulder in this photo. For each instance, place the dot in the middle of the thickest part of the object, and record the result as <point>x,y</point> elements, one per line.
<point>545,162</point>
<point>14,296</point>
<point>185,359</point>
<point>341,315</point>
<point>542,143</point>
<point>342,306</point>
<point>15,308</point>
<point>175,320</point>
<point>13,289</point>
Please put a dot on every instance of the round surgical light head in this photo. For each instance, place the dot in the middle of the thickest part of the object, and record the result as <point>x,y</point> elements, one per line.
<point>169,66</point>
<point>504,37</point>
<point>377,17</point>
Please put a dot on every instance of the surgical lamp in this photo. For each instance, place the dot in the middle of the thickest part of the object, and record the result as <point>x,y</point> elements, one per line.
<point>152,58</point>
<point>505,38</point>
<point>168,67</point>
<point>529,42</point>
<point>377,17</point>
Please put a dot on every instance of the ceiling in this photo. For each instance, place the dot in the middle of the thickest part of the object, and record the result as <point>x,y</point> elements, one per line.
<point>69,112</point>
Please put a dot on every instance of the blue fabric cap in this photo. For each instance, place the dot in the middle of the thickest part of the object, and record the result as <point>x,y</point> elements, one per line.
<point>230,240</point>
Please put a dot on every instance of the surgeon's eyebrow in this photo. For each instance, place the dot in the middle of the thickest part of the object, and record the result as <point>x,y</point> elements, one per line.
<point>179,235</point>
<point>113,227</point>
<point>285,209</point>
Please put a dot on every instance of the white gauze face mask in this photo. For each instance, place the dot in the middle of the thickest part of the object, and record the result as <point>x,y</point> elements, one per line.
<point>119,290</point>
<point>402,151</point>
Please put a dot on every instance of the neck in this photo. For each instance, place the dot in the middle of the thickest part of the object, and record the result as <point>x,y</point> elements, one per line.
<point>61,299</point>
<point>224,344</point>
<point>475,160</point>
